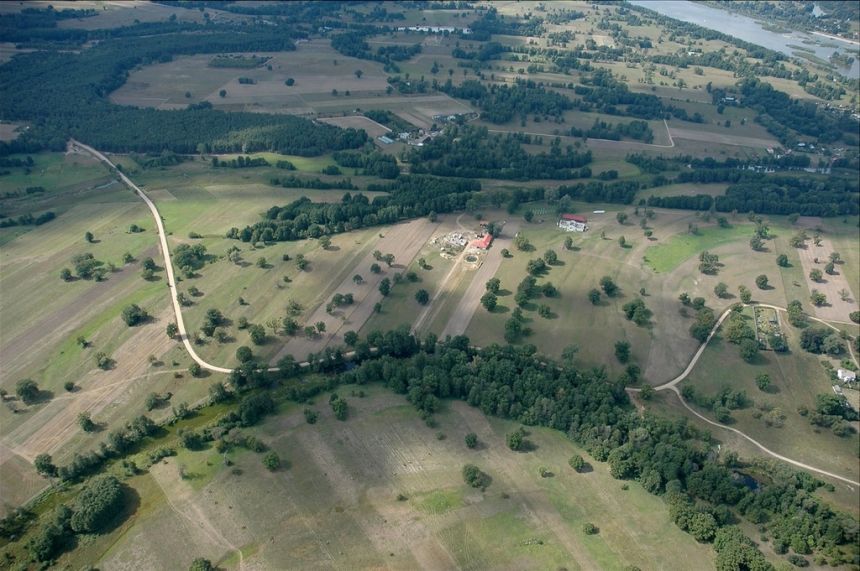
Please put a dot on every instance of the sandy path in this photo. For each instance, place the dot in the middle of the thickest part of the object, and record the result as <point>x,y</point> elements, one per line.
<point>673,386</point>
<point>836,310</point>
<point>471,300</point>
<point>736,140</point>
<point>404,241</point>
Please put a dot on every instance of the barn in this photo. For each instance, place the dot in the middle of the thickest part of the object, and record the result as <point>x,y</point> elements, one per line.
<point>573,223</point>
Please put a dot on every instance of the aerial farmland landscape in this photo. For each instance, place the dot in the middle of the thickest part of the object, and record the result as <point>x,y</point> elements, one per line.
<point>478,285</point>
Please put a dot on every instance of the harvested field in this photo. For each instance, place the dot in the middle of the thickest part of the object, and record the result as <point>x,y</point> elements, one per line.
<point>727,139</point>
<point>370,126</point>
<point>10,131</point>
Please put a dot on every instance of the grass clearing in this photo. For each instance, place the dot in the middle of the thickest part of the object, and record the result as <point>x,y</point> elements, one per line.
<point>667,256</point>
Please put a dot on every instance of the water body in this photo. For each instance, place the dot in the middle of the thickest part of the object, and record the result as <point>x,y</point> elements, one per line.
<point>747,29</point>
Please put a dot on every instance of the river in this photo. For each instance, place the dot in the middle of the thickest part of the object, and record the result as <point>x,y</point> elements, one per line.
<point>747,29</point>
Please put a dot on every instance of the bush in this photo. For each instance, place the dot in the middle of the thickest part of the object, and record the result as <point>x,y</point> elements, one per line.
<point>473,476</point>
<point>471,440</point>
<point>99,502</point>
<point>133,315</point>
<point>271,461</point>
<point>589,528</point>
<point>577,463</point>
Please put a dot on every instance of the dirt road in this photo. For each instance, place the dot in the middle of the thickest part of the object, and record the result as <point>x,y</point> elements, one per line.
<point>471,300</point>
<point>404,241</point>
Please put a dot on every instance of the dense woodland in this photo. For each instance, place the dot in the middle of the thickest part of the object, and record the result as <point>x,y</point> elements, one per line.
<point>473,152</point>
<point>408,197</point>
<point>64,94</point>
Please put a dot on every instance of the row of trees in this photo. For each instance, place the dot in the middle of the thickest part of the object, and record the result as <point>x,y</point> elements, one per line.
<point>408,197</point>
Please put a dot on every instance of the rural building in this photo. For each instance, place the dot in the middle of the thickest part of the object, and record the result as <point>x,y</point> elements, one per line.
<point>385,140</point>
<point>482,242</point>
<point>846,376</point>
<point>573,223</point>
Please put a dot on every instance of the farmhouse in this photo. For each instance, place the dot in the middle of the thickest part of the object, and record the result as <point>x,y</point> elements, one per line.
<point>483,242</point>
<point>573,223</point>
<point>846,376</point>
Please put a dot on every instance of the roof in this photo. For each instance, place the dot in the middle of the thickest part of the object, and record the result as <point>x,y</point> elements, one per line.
<point>574,217</point>
<point>482,243</point>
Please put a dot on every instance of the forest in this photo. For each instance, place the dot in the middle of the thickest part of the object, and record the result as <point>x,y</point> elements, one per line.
<point>501,103</point>
<point>64,94</point>
<point>472,152</point>
<point>409,196</point>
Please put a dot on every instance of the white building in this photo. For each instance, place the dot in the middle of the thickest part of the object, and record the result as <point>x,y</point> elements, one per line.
<point>846,376</point>
<point>573,223</point>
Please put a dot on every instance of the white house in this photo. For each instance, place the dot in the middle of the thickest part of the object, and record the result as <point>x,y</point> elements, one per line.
<point>573,223</point>
<point>846,376</point>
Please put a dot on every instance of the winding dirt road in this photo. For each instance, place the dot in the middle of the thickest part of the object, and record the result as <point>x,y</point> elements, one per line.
<point>671,385</point>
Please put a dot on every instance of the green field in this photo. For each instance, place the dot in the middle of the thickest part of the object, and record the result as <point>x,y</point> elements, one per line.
<point>667,256</point>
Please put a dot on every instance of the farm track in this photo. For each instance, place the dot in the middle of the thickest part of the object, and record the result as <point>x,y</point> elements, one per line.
<point>671,385</point>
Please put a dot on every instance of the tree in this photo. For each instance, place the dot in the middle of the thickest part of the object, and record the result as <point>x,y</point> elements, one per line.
<point>568,243</point>
<point>830,269</point>
<point>528,215</point>
<point>262,263</point>
<point>422,296</point>
<point>514,440</point>
<point>325,242</point>
<point>647,392</point>
<point>474,477</point>
<point>357,279</point>
<point>257,334</point>
<point>97,504</point>
<point>172,330</point>
<point>134,315</point>
<point>577,462</point>
<point>608,286</point>
<point>388,259</point>
<point>493,285</point>
<point>756,243</point>
<point>340,408</point>
<point>45,466</point>
<point>594,296</point>
<point>244,354</point>
<point>489,301</point>
<point>66,274</point>
<point>834,257</point>
<point>745,293</point>
<point>621,217</point>
<point>27,390</point>
<point>471,440</point>
<point>622,241</point>
<point>385,286</point>
<point>550,257</point>
<point>544,311</point>
<point>358,73</point>
<point>816,275</point>
<point>818,299</point>
<point>749,350</point>
<point>762,381</point>
<point>782,261</point>
<point>721,289</point>
<point>222,93</point>
<point>311,416</point>
<point>350,338</point>
<point>86,423</point>
<point>195,370</point>
<point>589,528</point>
<point>320,326</point>
<point>622,351</point>
<point>761,281</point>
<point>88,236</point>
<point>271,461</point>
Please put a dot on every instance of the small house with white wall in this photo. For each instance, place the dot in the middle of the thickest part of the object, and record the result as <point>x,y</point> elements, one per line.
<point>846,376</point>
<point>573,223</point>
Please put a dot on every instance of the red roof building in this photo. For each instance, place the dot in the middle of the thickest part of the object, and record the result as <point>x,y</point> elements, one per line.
<point>575,217</point>
<point>482,243</point>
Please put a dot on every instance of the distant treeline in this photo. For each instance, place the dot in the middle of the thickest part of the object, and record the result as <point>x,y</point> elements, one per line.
<point>293,181</point>
<point>64,94</point>
<point>28,219</point>
<point>472,152</point>
<point>408,197</point>
<point>373,164</point>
